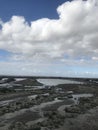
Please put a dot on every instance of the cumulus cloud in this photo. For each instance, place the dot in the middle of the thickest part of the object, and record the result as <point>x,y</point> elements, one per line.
<point>74,35</point>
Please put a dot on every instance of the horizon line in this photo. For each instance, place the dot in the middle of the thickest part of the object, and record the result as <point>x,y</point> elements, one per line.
<point>39,76</point>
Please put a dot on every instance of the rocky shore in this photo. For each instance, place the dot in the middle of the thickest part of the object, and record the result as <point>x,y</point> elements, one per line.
<point>59,107</point>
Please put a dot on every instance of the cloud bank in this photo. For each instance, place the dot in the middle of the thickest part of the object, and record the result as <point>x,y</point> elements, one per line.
<point>71,39</point>
<point>74,35</point>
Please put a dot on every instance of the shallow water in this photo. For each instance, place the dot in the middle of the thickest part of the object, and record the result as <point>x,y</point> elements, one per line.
<point>77,96</point>
<point>57,81</point>
<point>36,108</point>
<point>4,103</point>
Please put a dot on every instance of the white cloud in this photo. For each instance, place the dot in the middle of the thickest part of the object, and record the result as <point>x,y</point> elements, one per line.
<point>74,34</point>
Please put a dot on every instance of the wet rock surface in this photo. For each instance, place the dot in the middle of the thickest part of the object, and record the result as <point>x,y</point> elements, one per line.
<point>63,106</point>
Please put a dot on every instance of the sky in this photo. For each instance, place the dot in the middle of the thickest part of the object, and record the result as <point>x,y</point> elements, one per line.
<point>49,37</point>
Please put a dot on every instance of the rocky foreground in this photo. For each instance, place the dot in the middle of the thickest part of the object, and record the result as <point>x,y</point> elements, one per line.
<point>60,107</point>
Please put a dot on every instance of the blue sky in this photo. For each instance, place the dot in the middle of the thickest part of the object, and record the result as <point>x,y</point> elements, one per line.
<point>49,37</point>
<point>31,10</point>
